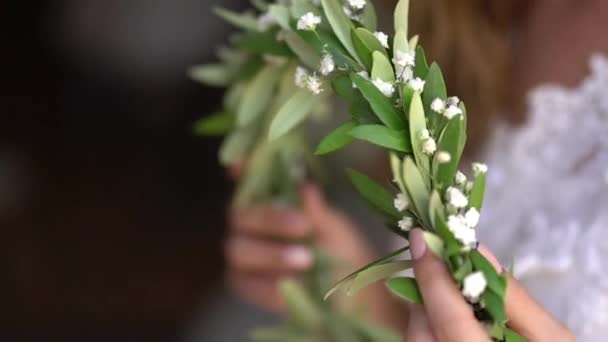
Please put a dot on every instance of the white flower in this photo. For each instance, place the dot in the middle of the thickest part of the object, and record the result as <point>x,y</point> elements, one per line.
<point>457,224</point>
<point>404,59</point>
<point>300,77</point>
<point>386,88</point>
<point>265,21</point>
<point>456,198</point>
<point>382,37</point>
<point>417,84</point>
<point>429,146</point>
<point>424,134</point>
<point>453,101</point>
<point>350,12</point>
<point>460,178</point>
<point>473,286</point>
<point>401,202</point>
<point>451,111</point>
<point>443,157</point>
<point>357,4</point>
<point>327,65</point>
<point>472,217</point>
<point>308,22</point>
<point>479,169</point>
<point>406,223</point>
<point>438,105</point>
<point>314,84</point>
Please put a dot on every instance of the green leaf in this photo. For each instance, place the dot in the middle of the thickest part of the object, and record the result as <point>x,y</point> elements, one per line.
<point>325,41</point>
<point>383,136</point>
<point>400,42</point>
<point>421,68</point>
<point>416,189</point>
<point>301,306</point>
<point>351,276</point>
<point>293,112</point>
<point>463,133</point>
<point>307,55</point>
<point>340,24</point>
<point>477,192</point>
<point>234,94</point>
<point>449,141</point>
<point>374,333</point>
<point>337,139</point>
<point>382,68</point>
<point>401,16</point>
<point>376,195</point>
<point>417,125</point>
<point>434,243</point>
<point>365,44</point>
<point>369,18</point>
<point>495,306</point>
<point>216,124</point>
<point>376,273</point>
<point>512,336</point>
<point>434,88</point>
<point>210,74</point>
<point>436,208</point>
<point>245,21</point>
<point>258,94</point>
<point>406,288</point>
<point>381,105</point>
<point>495,283</point>
<point>263,43</point>
<point>300,7</point>
<point>397,170</point>
<point>280,13</point>
<point>414,42</point>
<point>236,145</point>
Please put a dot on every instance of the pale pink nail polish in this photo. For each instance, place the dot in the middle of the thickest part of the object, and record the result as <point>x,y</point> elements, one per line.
<point>417,244</point>
<point>298,257</point>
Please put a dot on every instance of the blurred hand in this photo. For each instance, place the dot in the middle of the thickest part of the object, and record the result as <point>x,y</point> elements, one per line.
<point>267,243</point>
<point>446,317</point>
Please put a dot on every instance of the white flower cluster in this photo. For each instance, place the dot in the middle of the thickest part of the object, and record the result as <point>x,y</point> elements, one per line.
<point>353,8</point>
<point>473,286</point>
<point>308,22</point>
<point>417,84</point>
<point>479,169</point>
<point>404,64</point>
<point>303,79</point>
<point>448,108</point>
<point>327,65</point>
<point>401,203</point>
<point>463,227</point>
<point>386,88</point>
<point>382,38</point>
<point>429,145</point>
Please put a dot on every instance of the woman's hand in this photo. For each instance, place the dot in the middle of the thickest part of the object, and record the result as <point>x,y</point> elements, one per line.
<point>446,317</point>
<point>267,243</point>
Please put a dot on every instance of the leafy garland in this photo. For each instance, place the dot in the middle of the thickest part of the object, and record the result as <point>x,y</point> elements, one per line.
<point>281,70</point>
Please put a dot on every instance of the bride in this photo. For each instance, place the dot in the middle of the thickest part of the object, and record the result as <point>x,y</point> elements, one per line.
<point>541,69</point>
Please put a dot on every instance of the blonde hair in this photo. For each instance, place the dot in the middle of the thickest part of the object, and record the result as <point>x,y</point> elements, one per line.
<point>470,41</point>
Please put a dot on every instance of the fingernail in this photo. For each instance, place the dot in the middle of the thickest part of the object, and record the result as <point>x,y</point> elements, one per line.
<point>298,257</point>
<point>417,244</point>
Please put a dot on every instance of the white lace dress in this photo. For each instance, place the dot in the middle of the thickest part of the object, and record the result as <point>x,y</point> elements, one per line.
<point>547,201</point>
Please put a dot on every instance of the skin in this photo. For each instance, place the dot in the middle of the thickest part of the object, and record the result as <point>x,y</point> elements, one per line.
<point>265,242</point>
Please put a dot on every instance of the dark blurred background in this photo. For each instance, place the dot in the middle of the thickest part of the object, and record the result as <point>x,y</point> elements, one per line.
<point>111,211</point>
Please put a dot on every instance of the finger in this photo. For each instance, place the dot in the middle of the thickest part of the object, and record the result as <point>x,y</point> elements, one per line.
<point>248,254</point>
<point>525,315</point>
<point>418,328</point>
<point>273,221</point>
<point>529,318</point>
<point>260,290</point>
<point>450,316</point>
